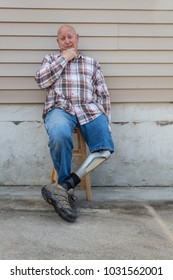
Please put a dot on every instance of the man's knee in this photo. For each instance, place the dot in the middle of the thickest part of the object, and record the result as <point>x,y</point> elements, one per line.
<point>60,137</point>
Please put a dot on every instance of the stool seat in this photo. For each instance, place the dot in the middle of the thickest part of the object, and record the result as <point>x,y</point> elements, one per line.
<point>81,152</point>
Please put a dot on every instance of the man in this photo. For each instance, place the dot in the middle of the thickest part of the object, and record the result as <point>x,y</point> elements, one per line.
<point>77,96</point>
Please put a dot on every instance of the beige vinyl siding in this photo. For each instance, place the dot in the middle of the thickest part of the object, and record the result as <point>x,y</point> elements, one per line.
<point>75,4</point>
<point>133,41</point>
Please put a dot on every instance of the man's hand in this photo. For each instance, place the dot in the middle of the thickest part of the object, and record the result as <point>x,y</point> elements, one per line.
<point>69,54</point>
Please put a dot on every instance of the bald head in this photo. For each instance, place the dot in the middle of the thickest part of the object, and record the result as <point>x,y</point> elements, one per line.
<point>66,27</point>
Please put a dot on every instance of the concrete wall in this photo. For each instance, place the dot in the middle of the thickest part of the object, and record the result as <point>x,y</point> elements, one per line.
<point>142,134</point>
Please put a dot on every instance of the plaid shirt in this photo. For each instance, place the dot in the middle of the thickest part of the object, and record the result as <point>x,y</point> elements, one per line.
<point>77,86</point>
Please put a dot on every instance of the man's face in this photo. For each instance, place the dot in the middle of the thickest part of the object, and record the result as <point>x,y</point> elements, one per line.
<point>67,38</point>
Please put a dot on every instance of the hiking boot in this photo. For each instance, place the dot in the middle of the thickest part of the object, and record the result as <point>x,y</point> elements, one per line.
<point>59,198</point>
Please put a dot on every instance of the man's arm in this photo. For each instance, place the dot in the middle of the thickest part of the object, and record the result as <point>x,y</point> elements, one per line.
<point>101,90</point>
<point>50,71</point>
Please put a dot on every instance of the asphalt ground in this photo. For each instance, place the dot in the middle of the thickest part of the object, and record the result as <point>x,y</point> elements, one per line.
<point>120,223</point>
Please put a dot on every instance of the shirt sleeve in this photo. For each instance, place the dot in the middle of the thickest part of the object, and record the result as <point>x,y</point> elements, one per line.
<point>101,92</point>
<point>50,70</point>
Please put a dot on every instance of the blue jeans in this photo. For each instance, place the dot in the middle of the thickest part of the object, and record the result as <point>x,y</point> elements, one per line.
<point>60,126</point>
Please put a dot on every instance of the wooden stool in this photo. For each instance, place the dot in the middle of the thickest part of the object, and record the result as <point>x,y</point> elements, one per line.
<point>81,153</point>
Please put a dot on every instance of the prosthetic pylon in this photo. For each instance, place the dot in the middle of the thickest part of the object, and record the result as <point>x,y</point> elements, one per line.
<point>89,164</point>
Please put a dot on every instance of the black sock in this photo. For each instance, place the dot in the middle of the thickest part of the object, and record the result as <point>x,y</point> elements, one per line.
<point>71,182</point>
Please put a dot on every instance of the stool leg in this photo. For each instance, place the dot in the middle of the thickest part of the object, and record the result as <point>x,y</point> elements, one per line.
<point>53,176</point>
<point>85,182</point>
<point>81,155</point>
<point>88,187</point>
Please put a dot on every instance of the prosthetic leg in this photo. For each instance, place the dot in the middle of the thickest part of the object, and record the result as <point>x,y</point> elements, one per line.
<point>60,197</point>
<point>89,164</point>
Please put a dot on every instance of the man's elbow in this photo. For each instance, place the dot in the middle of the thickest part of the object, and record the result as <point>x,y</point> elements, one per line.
<point>40,83</point>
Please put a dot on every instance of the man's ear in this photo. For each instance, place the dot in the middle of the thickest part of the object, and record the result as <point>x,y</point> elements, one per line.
<point>57,41</point>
